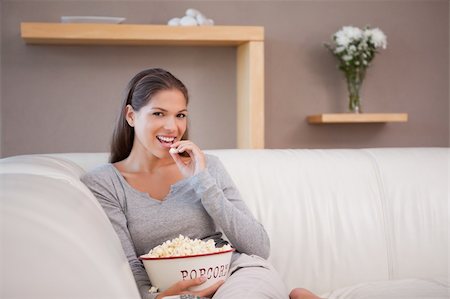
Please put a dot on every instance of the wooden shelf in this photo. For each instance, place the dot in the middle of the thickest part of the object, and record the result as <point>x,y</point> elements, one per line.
<point>249,41</point>
<point>136,34</point>
<point>343,118</point>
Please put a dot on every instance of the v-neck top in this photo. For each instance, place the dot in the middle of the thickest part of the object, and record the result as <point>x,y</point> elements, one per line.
<point>201,206</point>
<point>172,189</point>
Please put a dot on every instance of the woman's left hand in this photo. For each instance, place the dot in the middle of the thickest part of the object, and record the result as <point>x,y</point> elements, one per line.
<point>197,161</point>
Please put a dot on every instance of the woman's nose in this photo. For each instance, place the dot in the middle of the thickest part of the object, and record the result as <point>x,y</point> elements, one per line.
<point>170,124</point>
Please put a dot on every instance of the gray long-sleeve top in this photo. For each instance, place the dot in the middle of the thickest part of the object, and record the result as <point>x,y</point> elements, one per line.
<point>196,207</point>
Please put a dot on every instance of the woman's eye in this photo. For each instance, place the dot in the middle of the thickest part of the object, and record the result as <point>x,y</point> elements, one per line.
<point>181,115</point>
<point>157,113</point>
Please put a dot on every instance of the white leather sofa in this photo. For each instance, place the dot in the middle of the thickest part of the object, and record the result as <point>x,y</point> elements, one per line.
<point>359,223</point>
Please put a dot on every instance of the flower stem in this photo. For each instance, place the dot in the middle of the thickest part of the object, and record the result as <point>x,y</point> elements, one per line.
<point>354,78</point>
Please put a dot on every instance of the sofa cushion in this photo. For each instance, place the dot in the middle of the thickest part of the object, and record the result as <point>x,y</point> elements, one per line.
<point>395,289</point>
<point>415,193</point>
<point>321,209</point>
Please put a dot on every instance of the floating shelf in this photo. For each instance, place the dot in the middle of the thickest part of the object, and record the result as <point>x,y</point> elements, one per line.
<point>343,118</point>
<point>249,41</point>
<point>137,34</point>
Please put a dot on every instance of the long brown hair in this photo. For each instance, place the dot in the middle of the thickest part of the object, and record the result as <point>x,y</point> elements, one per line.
<point>140,91</point>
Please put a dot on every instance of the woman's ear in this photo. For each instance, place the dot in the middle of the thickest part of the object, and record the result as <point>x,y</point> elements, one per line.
<point>129,115</point>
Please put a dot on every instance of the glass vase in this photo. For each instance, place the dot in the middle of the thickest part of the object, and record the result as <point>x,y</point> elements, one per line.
<point>354,81</point>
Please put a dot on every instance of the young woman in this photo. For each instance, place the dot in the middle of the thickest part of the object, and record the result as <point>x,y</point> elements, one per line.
<point>159,185</point>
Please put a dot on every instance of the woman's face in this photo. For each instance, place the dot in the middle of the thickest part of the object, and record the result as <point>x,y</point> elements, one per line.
<point>159,123</point>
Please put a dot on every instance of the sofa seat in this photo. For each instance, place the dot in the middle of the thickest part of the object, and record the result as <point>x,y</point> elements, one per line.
<point>399,289</point>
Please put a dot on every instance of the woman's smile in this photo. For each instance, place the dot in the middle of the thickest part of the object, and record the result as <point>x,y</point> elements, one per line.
<point>166,141</point>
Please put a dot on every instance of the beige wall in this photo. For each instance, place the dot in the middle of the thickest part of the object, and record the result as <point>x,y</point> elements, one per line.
<point>65,99</point>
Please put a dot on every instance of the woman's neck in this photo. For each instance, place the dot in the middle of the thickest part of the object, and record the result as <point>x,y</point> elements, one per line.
<point>143,161</point>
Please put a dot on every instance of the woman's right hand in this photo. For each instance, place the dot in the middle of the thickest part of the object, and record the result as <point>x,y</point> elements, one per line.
<point>182,286</point>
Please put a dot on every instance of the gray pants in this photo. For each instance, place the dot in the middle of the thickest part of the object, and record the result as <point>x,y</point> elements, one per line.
<point>252,277</point>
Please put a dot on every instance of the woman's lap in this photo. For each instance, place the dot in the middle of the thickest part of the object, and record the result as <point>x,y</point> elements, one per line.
<point>252,278</point>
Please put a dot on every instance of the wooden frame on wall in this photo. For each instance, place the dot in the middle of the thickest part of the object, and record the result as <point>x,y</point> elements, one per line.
<point>248,40</point>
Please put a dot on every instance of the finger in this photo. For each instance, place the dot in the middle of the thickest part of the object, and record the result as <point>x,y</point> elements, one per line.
<point>183,143</point>
<point>210,290</point>
<point>178,161</point>
<point>193,150</point>
<point>184,147</point>
<point>198,157</point>
<point>178,143</point>
<point>198,161</point>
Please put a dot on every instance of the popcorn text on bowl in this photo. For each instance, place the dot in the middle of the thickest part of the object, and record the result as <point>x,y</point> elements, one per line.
<point>217,271</point>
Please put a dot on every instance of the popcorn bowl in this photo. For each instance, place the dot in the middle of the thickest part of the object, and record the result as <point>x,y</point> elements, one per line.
<point>165,271</point>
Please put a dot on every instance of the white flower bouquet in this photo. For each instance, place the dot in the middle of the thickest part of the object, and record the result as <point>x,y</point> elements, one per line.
<point>355,48</point>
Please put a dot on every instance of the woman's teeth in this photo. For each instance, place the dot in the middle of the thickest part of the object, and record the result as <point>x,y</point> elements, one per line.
<point>166,139</point>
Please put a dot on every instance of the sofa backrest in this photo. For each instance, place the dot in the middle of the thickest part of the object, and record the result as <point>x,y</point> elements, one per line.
<point>341,217</point>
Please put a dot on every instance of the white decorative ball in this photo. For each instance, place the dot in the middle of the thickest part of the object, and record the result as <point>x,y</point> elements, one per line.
<point>192,12</point>
<point>201,19</point>
<point>188,21</point>
<point>174,22</point>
